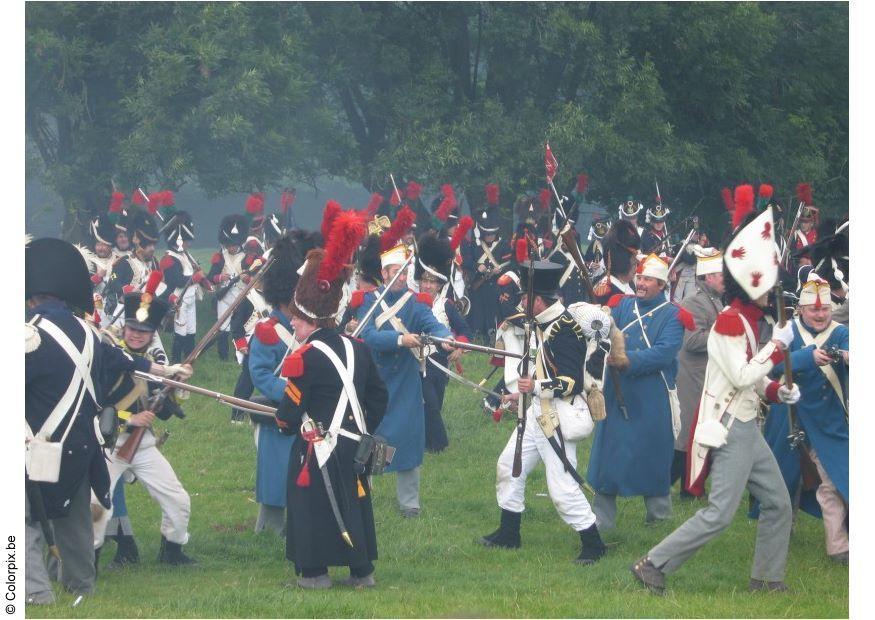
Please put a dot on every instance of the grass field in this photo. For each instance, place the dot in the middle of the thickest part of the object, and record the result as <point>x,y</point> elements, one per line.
<point>430,566</point>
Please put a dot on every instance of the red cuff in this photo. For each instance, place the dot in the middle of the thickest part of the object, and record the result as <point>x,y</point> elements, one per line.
<point>241,343</point>
<point>777,355</point>
<point>462,338</point>
<point>96,279</point>
<point>772,392</point>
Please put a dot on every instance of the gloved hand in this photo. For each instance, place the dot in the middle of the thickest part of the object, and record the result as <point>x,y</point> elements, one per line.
<point>182,372</point>
<point>784,335</point>
<point>789,396</point>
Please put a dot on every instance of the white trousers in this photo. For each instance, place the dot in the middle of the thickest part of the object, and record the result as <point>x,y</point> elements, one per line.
<point>185,321</point>
<point>222,305</point>
<point>566,494</point>
<point>158,478</point>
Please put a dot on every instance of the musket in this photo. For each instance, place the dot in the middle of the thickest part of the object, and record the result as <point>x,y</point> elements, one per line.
<point>570,243</point>
<point>797,435</point>
<point>239,403</point>
<point>792,233</point>
<point>127,451</point>
<point>522,405</point>
<point>681,250</point>
<point>380,297</point>
<point>468,346</point>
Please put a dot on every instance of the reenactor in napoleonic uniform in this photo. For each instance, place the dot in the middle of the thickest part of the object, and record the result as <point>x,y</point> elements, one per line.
<point>186,281</point>
<point>621,244</point>
<point>594,257</point>
<point>226,272</point>
<point>484,261</point>
<point>130,272</point>
<point>100,258</point>
<point>571,285</point>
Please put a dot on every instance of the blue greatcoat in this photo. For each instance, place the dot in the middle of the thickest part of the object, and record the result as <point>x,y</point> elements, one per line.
<point>819,413</point>
<point>633,457</point>
<point>274,448</point>
<point>403,426</point>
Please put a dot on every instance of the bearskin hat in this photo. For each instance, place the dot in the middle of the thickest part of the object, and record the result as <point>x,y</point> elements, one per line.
<point>369,268</point>
<point>289,251</point>
<point>142,228</point>
<point>434,256</point>
<point>321,289</point>
<point>233,229</point>
<point>178,229</point>
<point>55,267</point>
<point>102,230</point>
<point>621,244</point>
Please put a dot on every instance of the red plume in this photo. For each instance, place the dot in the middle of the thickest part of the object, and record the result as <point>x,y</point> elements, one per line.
<point>155,200</point>
<point>374,203</point>
<point>522,250</point>
<point>115,205</point>
<point>803,194</point>
<point>167,198</point>
<point>347,231</point>
<point>137,197</point>
<point>726,193</point>
<point>402,224</point>
<point>287,199</point>
<point>544,199</point>
<point>466,223</point>
<point>255,204</point>
<point>395,198</point>
<point>332,210</point>
<point>743,204</point>
<point>766,191</point>
<point>153,281</point>
<point>414,191</point>
<point>582,182</point>
<point>492,193</point>
<point>448,204</point>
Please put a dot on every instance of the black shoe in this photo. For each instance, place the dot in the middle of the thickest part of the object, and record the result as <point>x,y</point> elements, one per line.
<point>126,553</point>
<point>222,345</point>
<point>591,546</point>
<point>507,536</point>
<point>756,585</point>
<point>171,553</point>
<point>649,576</point>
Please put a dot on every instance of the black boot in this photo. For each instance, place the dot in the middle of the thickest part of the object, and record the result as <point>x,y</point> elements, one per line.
<point>507,535</point>
<point>591,546</point>
<point>97,559</point>
<point>126,552</point>
<point>171,553</point>
<point>222,345</point>
<point>176,350</point>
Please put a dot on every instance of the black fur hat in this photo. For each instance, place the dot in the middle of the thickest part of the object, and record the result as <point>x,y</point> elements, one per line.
<point>181,228</point>
<point>434,256</point>
<point>289,251</point>
<point>233,229</point>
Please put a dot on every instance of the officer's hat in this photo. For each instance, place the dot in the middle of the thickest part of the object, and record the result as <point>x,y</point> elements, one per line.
<point>322,286</point>
<point>487,220</point>
<point>434,256</point>
<point>55,267</point>
<point>233,229</point>
<point>599,229</point>
<point>102,230</point>
<point>142,228</point>
<point>179,228</point>
<point>145,311</point>
<point>546,277</point>
<point>657,213</point>
<point>629,209</point>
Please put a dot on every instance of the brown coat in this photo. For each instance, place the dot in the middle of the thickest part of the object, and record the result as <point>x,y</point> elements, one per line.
<point>693,358</point>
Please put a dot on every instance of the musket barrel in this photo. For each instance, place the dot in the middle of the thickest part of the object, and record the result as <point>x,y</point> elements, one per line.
<point>470,346</point>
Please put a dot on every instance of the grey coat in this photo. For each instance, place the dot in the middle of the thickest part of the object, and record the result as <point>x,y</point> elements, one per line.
<point>693,358</point>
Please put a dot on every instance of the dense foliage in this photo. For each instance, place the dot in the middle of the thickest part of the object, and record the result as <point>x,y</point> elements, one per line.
<point>249,96</point>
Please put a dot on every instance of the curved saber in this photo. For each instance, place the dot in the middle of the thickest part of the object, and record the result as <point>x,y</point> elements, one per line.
<point>461,379</point>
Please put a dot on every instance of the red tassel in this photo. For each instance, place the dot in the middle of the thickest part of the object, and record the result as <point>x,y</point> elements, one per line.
<point>137,197</point>
<point>496,415</point>
<point>303,480</point>
<point>404,221</point>
<point>255,204</point>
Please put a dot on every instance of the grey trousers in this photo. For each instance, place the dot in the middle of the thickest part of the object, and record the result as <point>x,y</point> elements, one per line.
<point>271,518</point>
<point>75,541</point>
<point>407,488</point>
<point>745,461</point>
<point>605,508</point>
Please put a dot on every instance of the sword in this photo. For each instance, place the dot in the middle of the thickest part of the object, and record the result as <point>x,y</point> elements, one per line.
<point>681,250</point>
<point>463,380</point>
<point>429,339</point>
<point>486,379</point>
<point>312,432</point>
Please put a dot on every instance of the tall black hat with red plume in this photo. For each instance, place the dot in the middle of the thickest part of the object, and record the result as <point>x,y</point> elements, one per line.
<point>233,229</point>
<point>145,311</point>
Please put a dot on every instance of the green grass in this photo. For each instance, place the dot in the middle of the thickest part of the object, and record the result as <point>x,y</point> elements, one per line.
<point>430,566</point>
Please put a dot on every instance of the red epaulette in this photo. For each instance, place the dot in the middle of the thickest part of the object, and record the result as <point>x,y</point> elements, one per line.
<point>729,323</point>
<point>265,332</point>
<point>217,258</point>
<point>686,318</point>
<point>357,299</point>
<point>425,298</point>
<point>293,365</point>
<point>166,263</point>
<point>614,300</point>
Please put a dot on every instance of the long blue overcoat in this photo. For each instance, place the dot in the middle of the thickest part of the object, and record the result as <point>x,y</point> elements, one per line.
<point>633,457</point>
<point>274,448</point>
<point>403,426</point>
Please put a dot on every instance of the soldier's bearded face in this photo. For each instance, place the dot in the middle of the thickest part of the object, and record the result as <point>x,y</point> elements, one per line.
<point>103,250</point>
